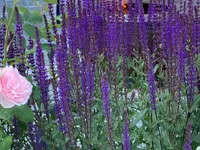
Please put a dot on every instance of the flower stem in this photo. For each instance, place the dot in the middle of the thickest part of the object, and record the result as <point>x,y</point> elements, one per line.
<point>159,131</point>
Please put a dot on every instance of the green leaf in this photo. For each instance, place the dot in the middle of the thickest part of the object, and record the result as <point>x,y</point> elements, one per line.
<point>165,138</point>
<point>30,30</point>
<point>51,1</point>
<point>46,47</point>
<point>34,17</point>
<point>138,117</point>
<point>6,114</point>
<point>9,10</point>
<point>16,60</point>
<point>147,136</point>
<point>31,51</point>
<point>23,113</point>
<point>196,138</point>
<point>1,131</point>
<point>6,143</point>
<point>59,18</point>
<point>157,144</point>
<point>156,68</point>
<point>23,10</point>
<point>196,103</point>
<point>36,93</point>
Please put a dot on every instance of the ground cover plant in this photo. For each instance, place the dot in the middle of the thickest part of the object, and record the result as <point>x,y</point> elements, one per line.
<point>103,76</point>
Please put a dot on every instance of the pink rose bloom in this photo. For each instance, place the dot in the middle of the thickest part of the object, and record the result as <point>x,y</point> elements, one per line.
<point>14,88</point>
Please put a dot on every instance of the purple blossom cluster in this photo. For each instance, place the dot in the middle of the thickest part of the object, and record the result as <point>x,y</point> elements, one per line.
<point>41,71</point>
<point>83,62</point>
<point>2,36</point>
<point>106,105</point>
<point>188,141</point>
<point>126,136</point>
<point>20,42</point>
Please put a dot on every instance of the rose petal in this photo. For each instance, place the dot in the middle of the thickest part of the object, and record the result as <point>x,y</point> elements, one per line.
<point>5,102</point>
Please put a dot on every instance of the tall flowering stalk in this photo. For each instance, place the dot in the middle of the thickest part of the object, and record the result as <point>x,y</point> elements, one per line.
<point>197,30</point>
<point>30,46</point>
<point>11,50</point>
<point>188,141</point>
<point>20,43</point>
<point>41,70</point>
<point>84,94</point>
<point>182,50</point>
<point>152,87</point>
<point>73,53</point>
<point>36,132</point>
<point>126,136</point>
<point>53,22</point>
<point>31,58</point>
<point>106,105</point>
<point>2,36</point>
<point>64,91</point>
<point>124,53</point>
<point>191,79</point>
<point>87,86</point>
<point>62,6</point>
<point>144,44</point>
<point>51,57</point>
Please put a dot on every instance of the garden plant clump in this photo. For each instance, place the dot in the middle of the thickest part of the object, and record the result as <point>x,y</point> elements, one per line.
<point>105,76</point>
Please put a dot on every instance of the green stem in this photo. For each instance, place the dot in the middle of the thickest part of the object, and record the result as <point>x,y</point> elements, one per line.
<point>6,45</point>
<point>159,131</point>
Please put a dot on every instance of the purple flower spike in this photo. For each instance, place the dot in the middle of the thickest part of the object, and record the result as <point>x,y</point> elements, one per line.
<point>64,90</point>
<point>105,97</point>
<point>20,43</point>
<point>2,40</point>
<point>188,141</point>
<point>106,105</point>
<point>53,72</point>
<point>152,87</point>
<point>192,77</point>
<point>2,37</point>
<point>53,22</point>
<point>31,59</point>
<point>31,56</point>
<point>42,73</point>
<point>11,50</point>
<point>126,136</point>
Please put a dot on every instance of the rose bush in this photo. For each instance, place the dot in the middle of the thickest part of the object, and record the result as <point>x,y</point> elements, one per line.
<point>14,88</point>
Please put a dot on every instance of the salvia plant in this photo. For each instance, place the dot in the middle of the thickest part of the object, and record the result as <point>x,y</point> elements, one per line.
<point>104,75</point>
